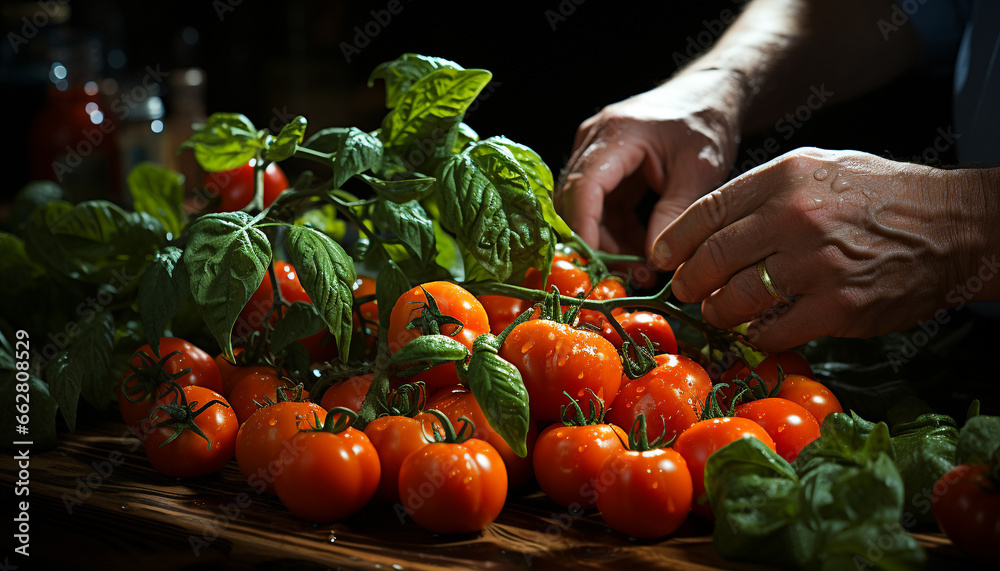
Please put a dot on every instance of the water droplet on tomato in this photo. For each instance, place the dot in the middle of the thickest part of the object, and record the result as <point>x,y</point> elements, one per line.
<point>527,347</point>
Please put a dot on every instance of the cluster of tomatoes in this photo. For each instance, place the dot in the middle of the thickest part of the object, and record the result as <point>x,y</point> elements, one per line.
<point>638,456</point>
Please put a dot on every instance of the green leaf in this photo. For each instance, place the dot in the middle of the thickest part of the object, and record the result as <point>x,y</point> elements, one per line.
<point>500,391</point>
<point>300,321</point>
<point>226,258</point>
<point>924,450</point>
<point>15,261</point>
<point>978,440</point>
<point>90,352</point>
<point>464,135</point>
<point>65,384</point>
<point>352,151</point>
<point>449,254</point>
<point>390,285</point>
<point>401,190</point>
<point>159,192</point>
<point>31,197</point>
<point>283,146</point>
<point>487,204</point>
<point>226,141</point>
<point>409,223</point>
<point>401,73</point>
<point>163,289</point>
<point>324,219</point>
<point>417,130</point>
<point>431,349</point>
<point>327,274</point>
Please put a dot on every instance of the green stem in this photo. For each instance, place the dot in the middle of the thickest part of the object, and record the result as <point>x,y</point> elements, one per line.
<point>315,156</point>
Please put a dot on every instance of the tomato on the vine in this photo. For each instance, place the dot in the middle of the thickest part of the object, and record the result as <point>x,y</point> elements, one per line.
<point>177,449</point>
<point>333,473</point>
<point>260,444</point>
<point>349,393</point>
<point>653,325</point>
<point>788,424</point>
<point>554,358</point>
<point>811,395</point>
<point>148,376</point>
<point>791,363</point>
<point>699,441</point>
<point>235,187</point>
<point>254,390</point>
<point>502,310</point>
<point>395,438</point>
<point>453,301</point>
<point>608,288</point>
<point>455,486</point>
<point>966,505</point>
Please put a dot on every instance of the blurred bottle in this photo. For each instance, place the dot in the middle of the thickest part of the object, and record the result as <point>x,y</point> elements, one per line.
<point>186,109</point>
<point>73,137</point>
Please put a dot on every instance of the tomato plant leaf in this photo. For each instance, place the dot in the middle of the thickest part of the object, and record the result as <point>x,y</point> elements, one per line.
<point>464,135</point>
<point>159,192</point>
<point>226,141</point>
<point>65,384</point>
<point>401,190</point>
<point>351,150</point>
<point>430,349</point>
<point>283,146</point>
<point>500,391</point>
<point>226,258</point>
<point>299,321</point>
<point>401,73</point>
<point>327,274</point>
<point>487,203</point>
<point>978,440</point>
<point>409,223</point>
<point>164,286</point>
<point>90,351</point>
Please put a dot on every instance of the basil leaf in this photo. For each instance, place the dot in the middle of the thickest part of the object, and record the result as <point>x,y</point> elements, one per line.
<point>409,223</point>
<point>226,141</point>
<point>159,192</point>
<point>978,440</point>
<point>401,73</point>
<point>300,321</point>
<point>430,349</point>
<point>486,203</point>
<point>226,258</point>
<point>415,130</point>
<point>84,367</point>
<point>283,146</point>
<point>401,190</point>
<point>464,135</point>
<point>327,274</point>
<point>924,450</point>
<point>163,288</point>
<point>500,392</point>
<point>352,151</point>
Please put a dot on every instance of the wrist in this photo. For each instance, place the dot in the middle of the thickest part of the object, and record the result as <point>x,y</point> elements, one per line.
<point>974,212</point>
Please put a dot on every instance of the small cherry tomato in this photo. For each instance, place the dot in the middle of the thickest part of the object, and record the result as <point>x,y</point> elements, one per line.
<point>810,395</point>
<point>260,444</point>
<point>235,187</point>
<point>179,450</point>
<point>638,323</point>
<point>256,389</point>
<point>788,424</point>
<point>966,505</point>
<point>395,438</point>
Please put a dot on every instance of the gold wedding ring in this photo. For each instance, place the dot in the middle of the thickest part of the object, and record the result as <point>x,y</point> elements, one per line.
<point>769,283</point>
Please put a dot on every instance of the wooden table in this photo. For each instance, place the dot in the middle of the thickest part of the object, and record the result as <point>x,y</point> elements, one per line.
<point>95,500</point>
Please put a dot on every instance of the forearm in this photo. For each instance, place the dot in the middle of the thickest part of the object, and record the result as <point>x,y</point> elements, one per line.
<point>974,195</point>
<point>782,52</point>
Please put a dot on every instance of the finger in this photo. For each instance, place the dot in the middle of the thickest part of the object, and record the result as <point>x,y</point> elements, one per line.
<point>791,325</point>
<point>745,298</point>
<point>600,170</point>
<point>666,210</point>
<point>709,214</point>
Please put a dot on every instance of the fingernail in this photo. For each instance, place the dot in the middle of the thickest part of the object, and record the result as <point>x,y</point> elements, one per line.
<point>661,254</point>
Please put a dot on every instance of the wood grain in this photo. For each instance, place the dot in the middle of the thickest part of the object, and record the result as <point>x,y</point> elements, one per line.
<point>95,499</point>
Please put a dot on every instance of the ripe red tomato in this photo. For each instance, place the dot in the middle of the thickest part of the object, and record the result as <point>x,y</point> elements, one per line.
<point>638,323</point>
<point>788,424</point>
<point>395,438</point>
<point>331,475</point>
<point>568,459</point>
<point>364,287</point>
<point>452,300</point>
<point>235,187</point>
<point>260,444</point>
<point>502,310</point>
<point>966,506</point>
<point>189,455</point>
<point>649,492</point>
<point>792,363</point>
<point>453,488</point>
<point>145,381</point>
<point>227,369</point>
<point>256,388</point>
<point>564,273</point>
<point>608,288</point>
<point>670,397</point>
<point>810,395</point>
<point>697,443</point>
<point>349,393</point>
<point>456,401</point>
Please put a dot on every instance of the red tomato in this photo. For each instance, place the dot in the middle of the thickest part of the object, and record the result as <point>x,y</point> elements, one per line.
<point>670,396</point>
<point>788,424</point>
<point>564,274</point>
<point>395,438</point>
<point>568,459</point>
<point>349,393</point>
<point>453,488</point>
<point>967,509</point>
<point>331,475</point>
<point>227,369</point>
<point>608,288</point>
<point>189,455</point>
<point>697,443</point>
<point>145,381</point>
<point>235,187</point>
<point>791,363</point>
<point>502,310</point>
<point>364,287</point>
<point>810,395</point>
<point>456,401</point>
<point>452,300</point>
<point>259,387</point>
<point>554,357</point>
<point>260,444</point>
<point>649,492</point>
<point>638,323</point>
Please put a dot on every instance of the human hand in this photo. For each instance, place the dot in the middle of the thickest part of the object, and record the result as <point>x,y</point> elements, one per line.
<point>864,245</point>
<point>679,139</point>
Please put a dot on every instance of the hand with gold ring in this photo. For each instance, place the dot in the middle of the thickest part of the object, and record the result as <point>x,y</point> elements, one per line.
<point>865,246</point>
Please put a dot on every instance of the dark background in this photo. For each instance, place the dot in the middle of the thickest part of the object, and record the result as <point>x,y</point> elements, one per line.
<point>554,63</point>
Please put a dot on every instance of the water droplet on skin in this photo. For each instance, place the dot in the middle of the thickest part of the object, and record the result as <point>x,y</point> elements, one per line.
<point>841,183</point>
<point>821,174</point>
